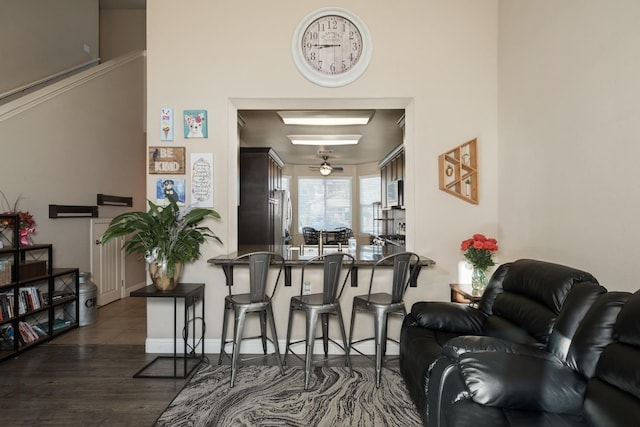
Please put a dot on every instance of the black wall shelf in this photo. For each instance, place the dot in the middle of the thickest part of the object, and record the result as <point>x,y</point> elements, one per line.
<point>68,211</point>
<point>106,200</point>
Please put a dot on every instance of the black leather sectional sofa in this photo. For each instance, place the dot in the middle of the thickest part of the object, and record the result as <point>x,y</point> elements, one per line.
<point>547,346</point>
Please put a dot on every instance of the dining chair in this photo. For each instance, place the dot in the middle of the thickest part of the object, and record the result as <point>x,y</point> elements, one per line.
<point>382,304</point>
<point>310,235</point>
<point>257,300</point>
<point>321,305</point>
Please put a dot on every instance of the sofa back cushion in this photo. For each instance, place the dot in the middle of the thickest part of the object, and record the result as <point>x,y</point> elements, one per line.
<point>595,332</point>
<point>613,394</point>
<point>532,296</point>
<point>576,306</point>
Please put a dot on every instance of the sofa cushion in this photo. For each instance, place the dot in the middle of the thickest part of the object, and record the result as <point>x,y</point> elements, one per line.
<point>518,381</point>
<point>613,395</point>
<point>447,317</point>
<point>466,413</point>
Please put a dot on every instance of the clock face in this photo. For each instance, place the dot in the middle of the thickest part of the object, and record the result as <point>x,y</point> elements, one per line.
<point>331,47</point>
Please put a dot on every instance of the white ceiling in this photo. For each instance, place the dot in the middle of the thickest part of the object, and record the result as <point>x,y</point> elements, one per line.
<point>263,128</point>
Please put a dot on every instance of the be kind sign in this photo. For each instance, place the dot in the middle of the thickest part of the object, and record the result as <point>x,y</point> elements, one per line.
<point>166,160</point>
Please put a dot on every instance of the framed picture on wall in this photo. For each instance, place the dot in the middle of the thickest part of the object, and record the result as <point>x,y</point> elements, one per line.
<point>195,124</point>
<point>166,160</point>
<point>166,124</point>
<point>202,179</point>
<point>170,188</point>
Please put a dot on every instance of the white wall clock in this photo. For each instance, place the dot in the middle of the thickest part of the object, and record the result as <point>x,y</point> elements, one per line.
<point>331,47</point>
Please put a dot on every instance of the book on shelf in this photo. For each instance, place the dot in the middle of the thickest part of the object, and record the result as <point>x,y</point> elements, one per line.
<point>57,324</point>
<point>58,295</point>
<point>27,333</point>
<point>6,305</point>
<point>30,299</point>
<point>6,337</point>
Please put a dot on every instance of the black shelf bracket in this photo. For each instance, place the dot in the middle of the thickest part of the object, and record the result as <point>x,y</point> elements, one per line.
<point>67,211</point>
<point>106,200</point>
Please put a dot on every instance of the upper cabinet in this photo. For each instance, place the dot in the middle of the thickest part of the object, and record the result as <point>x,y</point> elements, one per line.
<point>458,170</point>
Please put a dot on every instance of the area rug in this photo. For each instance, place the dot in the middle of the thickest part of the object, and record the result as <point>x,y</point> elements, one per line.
<point>261,396</point>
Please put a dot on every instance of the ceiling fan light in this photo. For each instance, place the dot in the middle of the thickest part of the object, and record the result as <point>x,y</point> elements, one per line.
<point>325,169</point>
<point>325,118</point>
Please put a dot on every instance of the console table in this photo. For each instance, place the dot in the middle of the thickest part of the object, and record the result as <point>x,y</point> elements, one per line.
<point>465,294</point>
<point>183,366</point>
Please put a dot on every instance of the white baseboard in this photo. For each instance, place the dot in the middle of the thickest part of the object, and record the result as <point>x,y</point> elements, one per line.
<point>135,287</point>
<point>254,346</point>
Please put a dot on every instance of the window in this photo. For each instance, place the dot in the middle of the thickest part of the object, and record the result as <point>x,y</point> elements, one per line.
<point>324,203</point>
<point>369,194</point>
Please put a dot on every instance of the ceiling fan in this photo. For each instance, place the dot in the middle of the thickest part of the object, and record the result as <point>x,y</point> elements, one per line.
<point>325,168</point>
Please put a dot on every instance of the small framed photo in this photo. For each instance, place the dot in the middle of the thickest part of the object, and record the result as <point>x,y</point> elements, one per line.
<point>195,124</point>
<point>166,124</point>
<point>170,188</point>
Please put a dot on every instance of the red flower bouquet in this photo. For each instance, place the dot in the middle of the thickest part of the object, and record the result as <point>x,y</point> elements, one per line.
<point>478,250</point>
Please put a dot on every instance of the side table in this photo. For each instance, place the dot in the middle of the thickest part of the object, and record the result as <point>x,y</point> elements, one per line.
<point>190,293</point>
<point>465,294</point>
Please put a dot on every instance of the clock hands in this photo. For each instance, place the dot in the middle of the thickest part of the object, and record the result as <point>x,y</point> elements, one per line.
<point>320,46</point>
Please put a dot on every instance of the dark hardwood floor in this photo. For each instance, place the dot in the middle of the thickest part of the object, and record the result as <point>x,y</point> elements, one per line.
<point>85,376</point>
<point>82,385</point>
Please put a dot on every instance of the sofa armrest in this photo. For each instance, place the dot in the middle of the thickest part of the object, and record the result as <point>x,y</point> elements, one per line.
<point>448,317</point>
<point>522,382</point>
<point>457,347</point>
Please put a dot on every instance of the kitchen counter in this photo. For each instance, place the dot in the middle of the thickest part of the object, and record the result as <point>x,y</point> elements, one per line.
<point>365,255</point>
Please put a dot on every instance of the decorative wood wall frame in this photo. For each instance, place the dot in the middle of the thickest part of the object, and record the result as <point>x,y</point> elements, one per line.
<point>166,160</point>
<point>458,171</point>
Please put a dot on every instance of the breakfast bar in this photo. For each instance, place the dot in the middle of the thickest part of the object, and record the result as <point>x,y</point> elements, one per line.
<point>296,256</point>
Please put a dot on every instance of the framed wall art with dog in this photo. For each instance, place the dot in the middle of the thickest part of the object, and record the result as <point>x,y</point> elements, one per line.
<point>195,123</point>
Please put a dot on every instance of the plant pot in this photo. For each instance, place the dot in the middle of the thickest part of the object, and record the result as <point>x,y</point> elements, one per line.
<point>161,280</point>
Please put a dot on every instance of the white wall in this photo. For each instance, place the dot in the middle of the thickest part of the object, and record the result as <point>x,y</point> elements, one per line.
<point>436,59</point>
<point>121,31</point>
<point>68,142</point>
<point>569,135</point>
<point>39,38</point>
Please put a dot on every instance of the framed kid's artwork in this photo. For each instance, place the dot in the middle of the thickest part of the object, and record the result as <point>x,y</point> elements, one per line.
<point>195,124</point>
<point>170,188</point>
<point>202,179</point>
<point>166,124</point>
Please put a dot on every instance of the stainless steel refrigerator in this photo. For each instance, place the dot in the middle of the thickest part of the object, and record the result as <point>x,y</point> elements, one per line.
<point>282,220</point>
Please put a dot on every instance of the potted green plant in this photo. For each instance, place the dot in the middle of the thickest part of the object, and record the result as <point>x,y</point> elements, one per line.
<point>167,237</point>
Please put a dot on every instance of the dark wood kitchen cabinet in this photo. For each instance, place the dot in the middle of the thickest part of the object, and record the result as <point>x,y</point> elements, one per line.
<point>260,175</point>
